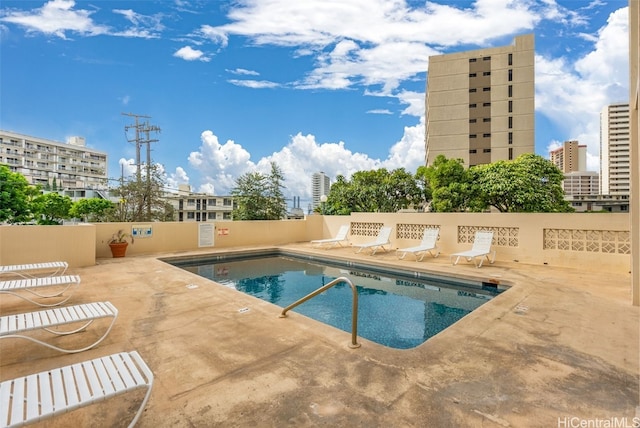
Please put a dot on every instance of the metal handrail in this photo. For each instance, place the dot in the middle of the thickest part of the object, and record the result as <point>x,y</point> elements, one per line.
<point>354,313</point>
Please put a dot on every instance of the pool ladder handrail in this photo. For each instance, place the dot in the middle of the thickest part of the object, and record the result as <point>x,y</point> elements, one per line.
<point>354,313</point>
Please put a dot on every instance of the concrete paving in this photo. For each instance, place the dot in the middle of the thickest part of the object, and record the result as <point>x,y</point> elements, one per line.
<point>560,347</point>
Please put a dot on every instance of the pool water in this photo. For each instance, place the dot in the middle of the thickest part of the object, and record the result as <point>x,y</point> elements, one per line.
<point>394,309</point>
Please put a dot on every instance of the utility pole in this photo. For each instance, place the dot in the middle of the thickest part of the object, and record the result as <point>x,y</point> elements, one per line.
<point>142,136</point>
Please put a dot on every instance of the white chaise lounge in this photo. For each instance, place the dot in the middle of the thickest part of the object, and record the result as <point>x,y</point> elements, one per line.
<point>427,245</point>
<point>481,249</point>
<point>339,239</point>
<point>52,320</point>
<point>52,392</point>
<point>381,240</point>
<point>31,270</point>
<point>23,288</point>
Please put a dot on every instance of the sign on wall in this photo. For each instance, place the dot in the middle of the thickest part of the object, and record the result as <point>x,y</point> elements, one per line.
<point>205,235</point>
<point>138,231</point>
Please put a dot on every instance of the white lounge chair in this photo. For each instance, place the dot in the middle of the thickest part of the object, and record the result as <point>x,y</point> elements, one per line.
<point>481,248</point>
<point>33,270</point>
<point>32,286</point>
<point>381,240</point>
<point>340,237</point>
<point>427,245</point>
<point>49,393</point>
<point>15,326</point>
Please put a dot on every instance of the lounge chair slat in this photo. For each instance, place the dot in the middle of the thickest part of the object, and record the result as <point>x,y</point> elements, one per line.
<point>69,386</point>
<point>5,399</point>
<point>81,383</point>
<point>46,394</point>
<point>17,402</point>
<point>33,402</point>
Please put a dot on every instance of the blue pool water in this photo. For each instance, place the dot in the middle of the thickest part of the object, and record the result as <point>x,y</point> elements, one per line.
<point>395,309</point>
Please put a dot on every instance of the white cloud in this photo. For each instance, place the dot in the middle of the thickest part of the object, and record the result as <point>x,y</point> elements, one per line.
<point>380,111</point>
<point>57,17</point>
<point>189,54</point>
<point>256,84</point>
<point>244,72</point>
<point>220,164</point>
<point>571,94</point>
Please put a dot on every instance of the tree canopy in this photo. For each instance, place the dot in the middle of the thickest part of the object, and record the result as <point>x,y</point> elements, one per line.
<point>529,183</point>
<point>15,196</point>
<point>259,196</point>
<point>373,191</point>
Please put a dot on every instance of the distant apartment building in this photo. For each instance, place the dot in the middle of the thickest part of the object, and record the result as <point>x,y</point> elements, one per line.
<point>571,157</point>
<point>69,165</point>
<point>189,206</point>
<point>480,104</point>
<point>581,183</point>
<point>614,150</point>
<point>320,185</point>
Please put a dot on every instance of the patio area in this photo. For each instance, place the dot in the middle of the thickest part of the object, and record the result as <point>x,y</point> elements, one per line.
<point>560,344</point>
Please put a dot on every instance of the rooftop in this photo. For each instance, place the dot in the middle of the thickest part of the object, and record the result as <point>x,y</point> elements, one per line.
<point>560,344</point>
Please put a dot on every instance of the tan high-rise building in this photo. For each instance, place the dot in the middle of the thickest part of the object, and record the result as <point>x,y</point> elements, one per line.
<point>570,157</point>
<point>480,104</point>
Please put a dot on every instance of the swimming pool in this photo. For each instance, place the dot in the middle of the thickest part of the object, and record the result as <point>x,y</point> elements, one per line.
<point>396,309</point>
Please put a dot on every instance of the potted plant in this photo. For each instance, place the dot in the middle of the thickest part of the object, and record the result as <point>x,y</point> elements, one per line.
<point>119,242</point>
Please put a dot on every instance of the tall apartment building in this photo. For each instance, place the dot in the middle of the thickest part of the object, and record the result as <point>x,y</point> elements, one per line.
<point>320,185</point>
<point>614,150</point>
<point>571,157</point>
<point>72,165</point>
<point>480,104</point>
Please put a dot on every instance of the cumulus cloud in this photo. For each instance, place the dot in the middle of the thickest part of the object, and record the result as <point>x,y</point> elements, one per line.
<point>60,17</point>
<point>57,17</point>
<point>220,164</point>
<point>189,54</point>
<point>571,94</point>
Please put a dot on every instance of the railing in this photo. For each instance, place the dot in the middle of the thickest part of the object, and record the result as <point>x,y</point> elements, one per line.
<point>354,312</point>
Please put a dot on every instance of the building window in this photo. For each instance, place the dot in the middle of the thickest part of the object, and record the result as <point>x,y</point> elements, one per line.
<point>510,137</point>
<point>486,104</point>
<point>486,119</point>
<point>472,151</point>
<point>190,215</point>
<point>472,60</point>
<point>211,216</point>
<point>486,73</point>
<point>472,135</point>
<point>510,59</point>
<point>226,202</point>
<point>472,120</point>
<point>486,150</point>
<point>472,74</point>
<point>226,216</point>
<point>211,202</point>
<point>472,90</point>
<point>510,106</point>
<point>486,89</point>
<point>486,58</point>
<point>486,135</point>
<point>510,75</point>
<point>472,105</point>
<point>510,122</point>
<point>191,202</point>
<point>510,153</point>
<point>510,90</point>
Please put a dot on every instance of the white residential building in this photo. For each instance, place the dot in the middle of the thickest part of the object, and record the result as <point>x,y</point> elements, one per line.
<point>70,165</point>
<point>614,150</point>
<point>320,185</point>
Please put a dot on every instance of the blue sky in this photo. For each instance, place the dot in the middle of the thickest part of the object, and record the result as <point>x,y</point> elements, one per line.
<point>315,85</point>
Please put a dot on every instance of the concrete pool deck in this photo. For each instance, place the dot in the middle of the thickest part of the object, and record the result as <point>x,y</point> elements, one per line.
<point>561,346</point>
